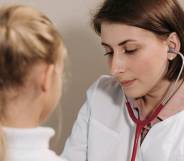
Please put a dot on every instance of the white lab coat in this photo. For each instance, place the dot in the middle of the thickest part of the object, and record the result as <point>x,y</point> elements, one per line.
<point>104,131</point>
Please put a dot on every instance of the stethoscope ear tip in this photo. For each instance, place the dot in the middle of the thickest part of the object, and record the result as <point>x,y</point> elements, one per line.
<point>171,50</point>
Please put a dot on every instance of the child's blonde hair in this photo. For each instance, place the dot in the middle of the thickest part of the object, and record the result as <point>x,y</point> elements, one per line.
<point>26,37</point>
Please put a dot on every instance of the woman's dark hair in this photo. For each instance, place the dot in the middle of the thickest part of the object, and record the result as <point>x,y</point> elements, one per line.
<point>161,17</point>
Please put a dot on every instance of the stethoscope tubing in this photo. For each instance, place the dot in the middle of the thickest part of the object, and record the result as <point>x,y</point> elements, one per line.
<point>140,124</point>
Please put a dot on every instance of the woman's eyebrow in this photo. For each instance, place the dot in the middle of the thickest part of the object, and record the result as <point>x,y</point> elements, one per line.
<point>119,44</point>
<point>124,42</point>
<point>104,44</point>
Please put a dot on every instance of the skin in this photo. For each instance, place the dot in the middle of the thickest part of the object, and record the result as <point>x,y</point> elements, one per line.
<point>138,59</point>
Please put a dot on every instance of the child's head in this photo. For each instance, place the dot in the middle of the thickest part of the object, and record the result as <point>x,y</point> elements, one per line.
<point>31,62</point>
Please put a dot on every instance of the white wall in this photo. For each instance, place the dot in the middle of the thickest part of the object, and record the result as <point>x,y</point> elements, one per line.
<point>182,2</point>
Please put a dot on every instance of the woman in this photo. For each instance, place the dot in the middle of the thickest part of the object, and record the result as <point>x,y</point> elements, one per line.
<point>136,113</point>
<point>31,59</point>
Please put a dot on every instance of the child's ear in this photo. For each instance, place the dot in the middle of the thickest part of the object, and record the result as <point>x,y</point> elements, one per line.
<point>47,77</point>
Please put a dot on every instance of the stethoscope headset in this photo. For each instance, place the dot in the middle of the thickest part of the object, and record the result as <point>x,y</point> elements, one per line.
<point>140,124</point>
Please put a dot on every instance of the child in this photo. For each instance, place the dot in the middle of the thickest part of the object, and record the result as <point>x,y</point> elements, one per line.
<point>31,70</point>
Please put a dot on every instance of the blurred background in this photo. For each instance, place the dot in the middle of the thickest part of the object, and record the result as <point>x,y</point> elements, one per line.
<point>85,63</point>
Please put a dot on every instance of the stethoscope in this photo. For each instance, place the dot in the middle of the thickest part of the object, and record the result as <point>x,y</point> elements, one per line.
<point>140,124</point>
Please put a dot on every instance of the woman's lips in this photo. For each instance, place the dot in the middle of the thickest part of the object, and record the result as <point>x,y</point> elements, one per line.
<point>127,83</point>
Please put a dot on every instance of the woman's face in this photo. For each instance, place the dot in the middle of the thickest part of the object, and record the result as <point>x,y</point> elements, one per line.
<point>137,58</point>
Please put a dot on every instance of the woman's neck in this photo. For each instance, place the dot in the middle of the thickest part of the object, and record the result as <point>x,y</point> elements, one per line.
<point>154,97</point>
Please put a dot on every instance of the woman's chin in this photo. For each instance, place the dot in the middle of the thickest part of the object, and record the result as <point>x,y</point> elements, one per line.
<point>133,93</point>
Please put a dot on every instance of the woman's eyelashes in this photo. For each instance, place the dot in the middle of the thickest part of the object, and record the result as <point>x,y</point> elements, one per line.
<point>131,51</point>
<point>124,51</point>
<point>128,49</point>
<point>108,53</point>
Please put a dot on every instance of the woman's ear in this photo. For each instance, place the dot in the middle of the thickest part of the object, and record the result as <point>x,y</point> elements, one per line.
<point>47,78</point>
<point>173,42</point>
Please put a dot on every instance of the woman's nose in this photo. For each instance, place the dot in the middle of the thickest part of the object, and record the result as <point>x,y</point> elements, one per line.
<point>117,65</point>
